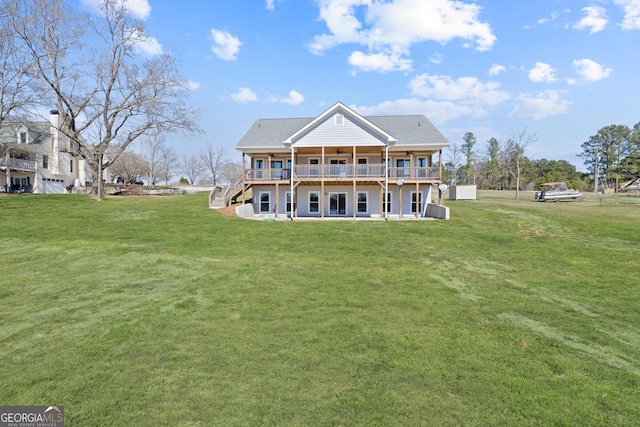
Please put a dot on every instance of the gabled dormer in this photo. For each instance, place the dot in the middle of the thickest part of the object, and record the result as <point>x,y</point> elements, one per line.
<point>23,135</point>
<point>340,126</point>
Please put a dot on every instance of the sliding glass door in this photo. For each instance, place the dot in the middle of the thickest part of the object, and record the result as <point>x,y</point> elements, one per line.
<point>337,204</point>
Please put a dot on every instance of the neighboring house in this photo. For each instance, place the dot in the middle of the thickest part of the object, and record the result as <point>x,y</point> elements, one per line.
<point>342,164</point>
<point>36,157</point>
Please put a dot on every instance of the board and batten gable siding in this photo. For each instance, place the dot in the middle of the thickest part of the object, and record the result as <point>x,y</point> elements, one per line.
<point>331,134</point>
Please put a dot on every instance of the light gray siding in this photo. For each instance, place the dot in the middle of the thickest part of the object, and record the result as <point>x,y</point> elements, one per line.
<point>331,134</point>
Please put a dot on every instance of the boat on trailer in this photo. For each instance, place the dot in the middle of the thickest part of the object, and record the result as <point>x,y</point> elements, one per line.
<point>556,191</point>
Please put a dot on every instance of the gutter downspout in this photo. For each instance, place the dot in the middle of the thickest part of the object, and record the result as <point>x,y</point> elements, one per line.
<point>385,202</point>
<point>291,180</point>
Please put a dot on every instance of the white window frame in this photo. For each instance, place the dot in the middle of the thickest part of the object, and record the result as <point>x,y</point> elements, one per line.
<point>314,166</point>
<point>346,203</point>
<point>416,203</point>
<point>260,165</point>
<point>366,202</point>
<point>45,161</point>
<point>339,120</point>
<point>260,202</point>
<point>389,202</point>
<point>404,170</point>
<point>317,193</point>
<point>288,202</point>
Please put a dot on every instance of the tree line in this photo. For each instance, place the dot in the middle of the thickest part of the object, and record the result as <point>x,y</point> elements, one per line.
<point>612,156</point>
<point>155,162</point>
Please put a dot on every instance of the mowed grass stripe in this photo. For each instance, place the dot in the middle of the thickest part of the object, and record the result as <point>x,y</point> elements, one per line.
<point>158,311</point>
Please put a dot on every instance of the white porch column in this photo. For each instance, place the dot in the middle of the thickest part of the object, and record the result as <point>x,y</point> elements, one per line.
<point>293,199</point>
<point>37,178</point>
<point>417,200</point>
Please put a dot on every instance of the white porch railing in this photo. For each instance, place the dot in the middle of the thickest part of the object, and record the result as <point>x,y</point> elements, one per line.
<point>22,164</point>
<point>319,172</point>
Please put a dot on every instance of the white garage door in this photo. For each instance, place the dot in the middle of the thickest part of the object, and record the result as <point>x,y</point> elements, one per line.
<point>52,186</point>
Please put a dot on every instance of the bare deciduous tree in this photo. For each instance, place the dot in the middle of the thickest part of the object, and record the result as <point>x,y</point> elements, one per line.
<point>129,165</point>
<point>16,89</point>
<point>455,154</point>
<point>514,151</point>
<point>153,147</point>
<point>107,92</point>
<point>168,163</point>
<point>192,167</point>
<point>213,159</point>
<point>17,92</point>
<point>231,173</point>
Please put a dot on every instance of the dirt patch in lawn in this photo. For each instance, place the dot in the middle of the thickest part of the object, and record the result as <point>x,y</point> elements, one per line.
<point>229,210</point>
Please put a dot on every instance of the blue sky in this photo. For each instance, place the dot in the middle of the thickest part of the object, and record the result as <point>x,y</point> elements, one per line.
<point>560,69</point>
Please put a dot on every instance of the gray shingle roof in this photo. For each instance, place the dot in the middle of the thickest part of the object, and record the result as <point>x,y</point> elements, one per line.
<point>408,130</point>
<point>39,132</point>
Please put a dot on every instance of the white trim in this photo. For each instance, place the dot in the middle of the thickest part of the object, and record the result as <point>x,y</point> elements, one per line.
<point>317,193</point>
<point>388,202</point>
<point>268,193</point>
<point>346,111</point>
<point>287,200</point>
<point>346,203</point>
<point>366,203</point>
<point>419,202</point>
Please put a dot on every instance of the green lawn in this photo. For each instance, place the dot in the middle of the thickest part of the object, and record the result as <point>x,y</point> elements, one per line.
<point>159,311</point>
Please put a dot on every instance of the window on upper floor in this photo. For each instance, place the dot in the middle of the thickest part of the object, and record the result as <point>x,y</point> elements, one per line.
<point>23,138</point>
<point>45,161</point>
<point>339,120</point>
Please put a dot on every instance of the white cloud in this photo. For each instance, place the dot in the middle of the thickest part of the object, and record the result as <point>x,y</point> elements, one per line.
<point>543,21</point>
<point>467,90</point>
<point>191,85</point>
<point>243,95</point>
<point>381,62</point>
<point>225,46</point>
<point>536,107</point>
<point>391,27</point>
<point>496,69</point>
<point>148,46</point>
<point>271,4</point>
<point>591,71</point>
<point>436,58</point>
<point>294,98</point>
<point>596,19</point>
<point>631,14</point>
<point>542,73</point>
<point>438,112</point>
<point>140,8</point>
<point>442,99</point>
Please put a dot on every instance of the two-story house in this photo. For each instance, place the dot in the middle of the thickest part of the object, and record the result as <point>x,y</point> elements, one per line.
<point>36,157</point>
<point>342,164</point>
